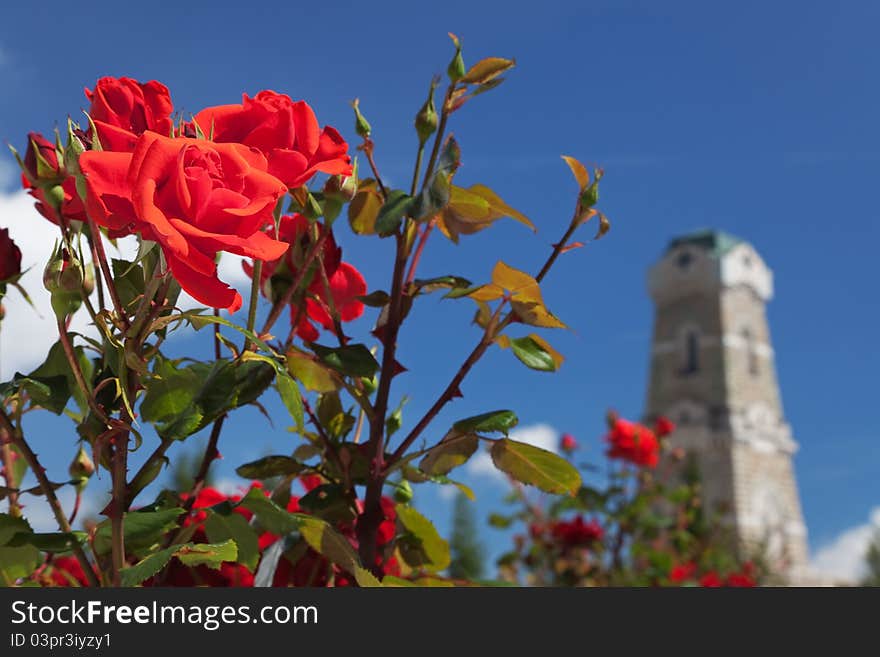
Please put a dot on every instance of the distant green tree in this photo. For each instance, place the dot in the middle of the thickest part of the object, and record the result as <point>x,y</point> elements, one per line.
<point>872,561</point>
<point>468,554</point>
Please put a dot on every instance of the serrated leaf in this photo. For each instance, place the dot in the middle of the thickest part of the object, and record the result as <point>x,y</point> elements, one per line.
<point>520,284</point>
<point>50,541</point>
<point>535,314</point>
<point>329,543</point>
<point>271,517</point>
<point>535,466</point>
<point>221,527</point>
<point>143,529</point>
<point>454,450</point>
<point>351,360</point>
<point>311,373</point>
<point>207,554</point>
<point>502,421</point>
<point>290,395</point>
<point>426,548</point>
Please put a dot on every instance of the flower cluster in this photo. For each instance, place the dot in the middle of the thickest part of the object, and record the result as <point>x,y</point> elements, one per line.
<point>197,189</point>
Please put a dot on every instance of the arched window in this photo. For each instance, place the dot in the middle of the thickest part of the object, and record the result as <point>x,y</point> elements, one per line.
<point>691,352</point>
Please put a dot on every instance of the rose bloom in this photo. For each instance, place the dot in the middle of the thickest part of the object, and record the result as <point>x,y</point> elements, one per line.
<point>711,580</point>
<point>663,427</point>
<point>10,258</point>
<point>345,283</point>
<point>64,571</point>
<point>683,572</point>
<point>195,198</point>
<point>123,109</point>
<point>286,132</point>
<point>634,443</point>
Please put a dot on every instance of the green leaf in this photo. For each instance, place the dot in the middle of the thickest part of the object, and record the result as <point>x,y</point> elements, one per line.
<point>207,554</point>
<point>221,527</point>
<point>147,567</point>
<point>533,354</point>
<point>18,562</point>
<point>270,466</point>
<point>535,466</point>
<point>290,395</point>
<point>183,400</point>
<point>502,421</point>
<point>392,212</point>
<point>143,529</point>
<point>330,502</point>
<point>428,285</point>
<point>326,541</point>
<point>352,360</point>
<point>271,517</point>
<point>10,526</point>
<point>128,277</point>
<point>364,208</point>
<point>375,299</point>
<point>422,546</point>
<point>454,450</point>
<point>49,542</point>
<point>189,554</point>
<point>365,579</point>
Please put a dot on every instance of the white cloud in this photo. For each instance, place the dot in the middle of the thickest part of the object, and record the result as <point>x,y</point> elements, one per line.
<point>27,333</point>
<point>843,559</point>
<point>539,435</point>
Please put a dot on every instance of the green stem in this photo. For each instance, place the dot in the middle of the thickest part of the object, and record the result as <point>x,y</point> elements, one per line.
<point>255,296</point>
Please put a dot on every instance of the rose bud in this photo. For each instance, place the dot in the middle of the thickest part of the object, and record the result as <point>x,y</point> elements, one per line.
<point>361,125</point>
<point>342,188</point>
<point>81,467</point>
<point>426,119</point>
<point>41,161</point>
<point>65,278</point>
<point>10,257</point>
<point>403,492</point>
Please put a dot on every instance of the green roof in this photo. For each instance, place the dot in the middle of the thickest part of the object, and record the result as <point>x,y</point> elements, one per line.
<point>716,241</point>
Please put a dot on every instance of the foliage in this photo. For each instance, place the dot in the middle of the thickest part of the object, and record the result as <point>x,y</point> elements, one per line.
<point>468,554</point>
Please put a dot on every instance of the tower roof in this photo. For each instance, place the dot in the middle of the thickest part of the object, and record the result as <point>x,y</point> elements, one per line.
<point>716,241</point>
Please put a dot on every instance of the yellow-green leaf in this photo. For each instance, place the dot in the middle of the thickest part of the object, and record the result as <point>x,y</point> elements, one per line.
<point>579,170</point>
<point>428,549</point>
<point>364,208</point>
<point>454,450</point>
<point>487,69</point>
<point>536,467</point>
<point>313,375</point>
<point>535,314</point>
<point>498,207</point>
<point>522,286</point>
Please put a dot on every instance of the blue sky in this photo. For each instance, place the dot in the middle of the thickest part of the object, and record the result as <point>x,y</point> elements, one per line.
<point>758,118</point>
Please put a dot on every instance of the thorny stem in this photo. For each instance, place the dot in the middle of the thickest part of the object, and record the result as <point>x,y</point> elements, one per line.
<point>208,457</point>
<point>98,245</point>
<point>49,492</point>
<point>139,481</point>
<point>78,376</point>
<point>11,484</point>
<point>99,280</point>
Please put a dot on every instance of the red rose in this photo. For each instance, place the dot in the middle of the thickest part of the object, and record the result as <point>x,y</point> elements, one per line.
<point>66,571</point>
<point>711,580</point>
<point>568,443</point>
<point>286,132</point>
<point>195,198</point>
<point>10,257</point>
<point>683,572</point>
<point>663,426</point>
<point>345,283</point>
<point>744,578</point>
<point>634,443</point>
<point>577,532</point>
<point>46,180</point>
<point>123,109</point>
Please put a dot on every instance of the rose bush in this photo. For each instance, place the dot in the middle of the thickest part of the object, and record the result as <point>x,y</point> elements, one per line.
<point>262,180</point>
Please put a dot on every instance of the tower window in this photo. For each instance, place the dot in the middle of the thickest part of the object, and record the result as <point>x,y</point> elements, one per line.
<point>684,260</point>
<point>751,352</point>
<point>691,352</point>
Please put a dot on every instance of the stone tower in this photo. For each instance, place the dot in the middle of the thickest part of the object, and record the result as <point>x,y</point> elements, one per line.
<point>713,374</point>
